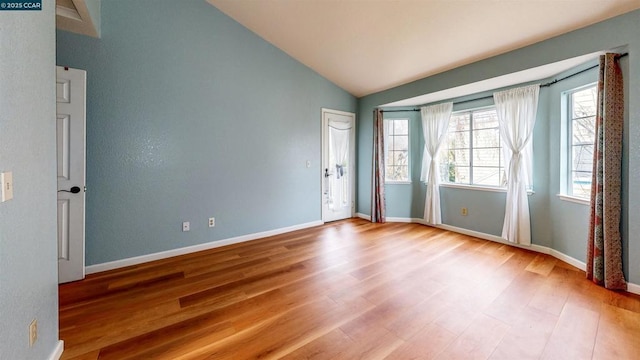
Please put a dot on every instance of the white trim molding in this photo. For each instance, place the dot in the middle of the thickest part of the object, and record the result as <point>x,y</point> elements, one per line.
<point>57,352</point>
<point>363,216</point>
<point>633,288</point>
<point>405,220</point>
<point>574,199</point>
<point>474,187</point>
<point>92,269</point>
<point>533,247</point>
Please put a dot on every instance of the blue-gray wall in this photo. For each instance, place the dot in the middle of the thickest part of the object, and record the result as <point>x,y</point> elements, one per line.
<point>94,11</point>
<point>190,115</point>
<point>28,247</point>
<point>555,223</point>
<point>407,200</point>
<point>485,208</point>
<point>571,228</point>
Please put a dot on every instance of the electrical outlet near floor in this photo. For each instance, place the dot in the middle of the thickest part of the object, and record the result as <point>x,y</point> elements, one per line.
<point>33,332</point>
<point>186,226</point>
<point>463,211</point>
<point>212,222</point>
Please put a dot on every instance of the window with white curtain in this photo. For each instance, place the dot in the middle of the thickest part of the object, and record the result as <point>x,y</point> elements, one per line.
<point>472,153</point>
<point>581,123</point>
<point>396,134</point>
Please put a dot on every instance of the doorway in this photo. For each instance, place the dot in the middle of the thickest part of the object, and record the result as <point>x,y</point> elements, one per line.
<point>338,164</point>
<point>70,147</point>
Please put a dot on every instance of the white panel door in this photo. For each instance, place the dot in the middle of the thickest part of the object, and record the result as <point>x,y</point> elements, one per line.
<point>70,136</point>
<point>338,164</point>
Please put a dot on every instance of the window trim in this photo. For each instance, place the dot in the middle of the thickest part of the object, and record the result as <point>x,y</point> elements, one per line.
<point>471,185</point>
<point>409,156</point>
<point>474,187</point>
<point>574,199</point>
<point>567,194</point>
<point>397,182</point>
<point>481,188</point>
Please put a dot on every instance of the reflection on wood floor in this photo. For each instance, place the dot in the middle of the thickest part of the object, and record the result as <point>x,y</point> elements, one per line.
<point>350,290</point>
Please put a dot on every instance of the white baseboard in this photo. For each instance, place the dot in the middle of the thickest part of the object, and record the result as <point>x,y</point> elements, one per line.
<point>633,288</point>
<point>533,247</point>
<point>57,352</point>
<point>364,216</point>
<point>91,269</point>
<point>473,233</point>
<point>400,220</point>
<point>568,259</point>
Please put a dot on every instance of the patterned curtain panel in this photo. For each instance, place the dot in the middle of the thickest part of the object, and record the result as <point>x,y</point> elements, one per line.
<point>604,255</point>
<point>377,182</point>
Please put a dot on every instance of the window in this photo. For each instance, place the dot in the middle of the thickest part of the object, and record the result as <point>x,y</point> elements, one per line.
<point>472,152</point>
<point>396,133</point>
<point>581,130</point>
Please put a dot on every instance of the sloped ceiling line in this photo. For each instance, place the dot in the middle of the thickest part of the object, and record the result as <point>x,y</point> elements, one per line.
<point>369,46</point>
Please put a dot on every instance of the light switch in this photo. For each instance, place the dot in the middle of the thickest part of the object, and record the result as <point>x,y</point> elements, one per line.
<point>6,179</point>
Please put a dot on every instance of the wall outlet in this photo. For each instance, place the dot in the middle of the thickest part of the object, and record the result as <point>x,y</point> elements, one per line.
<point>186,226</point>
<point>212,222</point>
<point>464,211</point>
<point>33,332</point>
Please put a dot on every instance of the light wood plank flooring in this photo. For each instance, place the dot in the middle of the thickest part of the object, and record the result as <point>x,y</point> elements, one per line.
<point>350,290</point>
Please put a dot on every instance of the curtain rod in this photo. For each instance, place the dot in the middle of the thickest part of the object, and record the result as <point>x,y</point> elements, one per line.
<point>542,85</point>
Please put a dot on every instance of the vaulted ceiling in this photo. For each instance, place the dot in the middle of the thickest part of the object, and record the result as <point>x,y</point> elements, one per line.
<point>365,46</point>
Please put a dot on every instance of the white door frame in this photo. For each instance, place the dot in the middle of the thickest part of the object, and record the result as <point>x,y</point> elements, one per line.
<point>325,154</point>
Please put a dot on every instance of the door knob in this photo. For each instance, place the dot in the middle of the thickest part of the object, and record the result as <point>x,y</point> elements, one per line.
<point>73,190</point>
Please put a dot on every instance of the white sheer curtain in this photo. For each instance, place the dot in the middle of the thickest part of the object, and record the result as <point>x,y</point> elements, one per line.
<point>435,123</point>
<point>516,110</point>
<point>339,133</point>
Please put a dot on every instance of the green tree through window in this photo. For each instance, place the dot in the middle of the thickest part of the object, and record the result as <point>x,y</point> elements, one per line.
<point>472,154</point>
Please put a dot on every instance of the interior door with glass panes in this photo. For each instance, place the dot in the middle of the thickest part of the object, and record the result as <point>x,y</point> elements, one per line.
<point>338,168</point>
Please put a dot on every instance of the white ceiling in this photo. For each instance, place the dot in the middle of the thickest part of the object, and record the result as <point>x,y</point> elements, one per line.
<point>365,46</point>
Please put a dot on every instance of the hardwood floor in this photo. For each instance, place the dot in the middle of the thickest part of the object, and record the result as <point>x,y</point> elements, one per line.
<point>350,290</point>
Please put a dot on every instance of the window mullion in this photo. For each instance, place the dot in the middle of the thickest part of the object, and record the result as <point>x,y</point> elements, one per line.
<point>569,183</point>
<point>500,157</point>
<point>399,172</point>
<point>471,182</point>
<point>483,170</point>
<point>579,101</point>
